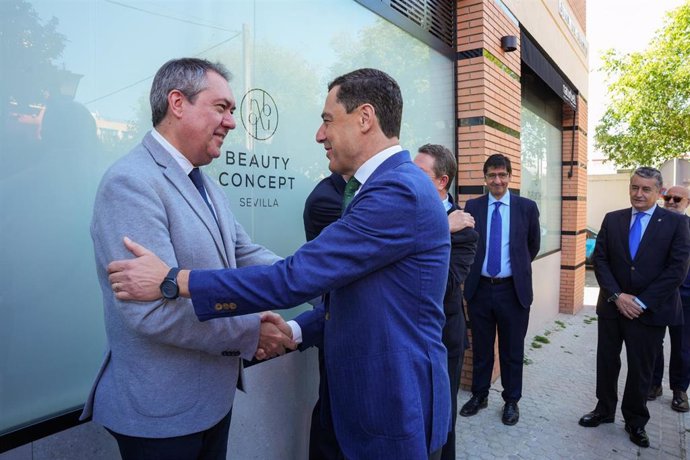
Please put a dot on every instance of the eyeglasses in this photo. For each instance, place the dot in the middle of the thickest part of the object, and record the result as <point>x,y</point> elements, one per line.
<point>676,199</point>
<point>492,176</point>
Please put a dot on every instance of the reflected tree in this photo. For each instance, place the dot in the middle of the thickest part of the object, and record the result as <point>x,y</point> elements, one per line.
<point>387,47</point>
<point>29,48</point>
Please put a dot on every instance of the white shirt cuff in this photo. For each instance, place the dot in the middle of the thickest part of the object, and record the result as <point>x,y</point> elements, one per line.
<point>638,302</point>
<point>296,331</point>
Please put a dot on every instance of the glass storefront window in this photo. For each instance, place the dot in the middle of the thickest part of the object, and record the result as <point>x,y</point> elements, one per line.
<point>74,97</point>
<point>541,151</point>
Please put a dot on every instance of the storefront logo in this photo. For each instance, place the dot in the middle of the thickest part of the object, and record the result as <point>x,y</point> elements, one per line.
<point>259,114</point>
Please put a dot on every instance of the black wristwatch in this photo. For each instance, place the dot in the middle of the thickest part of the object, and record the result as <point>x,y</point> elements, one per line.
<point>169,288</point>
<point>614,297</point>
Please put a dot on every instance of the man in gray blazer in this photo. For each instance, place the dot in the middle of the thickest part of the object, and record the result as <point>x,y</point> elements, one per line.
<point>167,383</point>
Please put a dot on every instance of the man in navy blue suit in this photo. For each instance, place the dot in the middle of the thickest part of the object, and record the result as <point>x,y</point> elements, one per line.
<point>384,264</point>
<point>676,200</point>
<point>499,287</point>
<point>640,259</point>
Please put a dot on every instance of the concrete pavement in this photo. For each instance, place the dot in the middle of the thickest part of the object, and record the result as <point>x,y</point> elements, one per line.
<point>559,387</point>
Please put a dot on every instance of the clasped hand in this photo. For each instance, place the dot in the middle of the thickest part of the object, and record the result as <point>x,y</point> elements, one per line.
<point>275,336</point>
<point>627,306</point>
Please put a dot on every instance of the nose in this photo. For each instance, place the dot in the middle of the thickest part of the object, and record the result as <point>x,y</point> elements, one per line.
<point>321,134</point>
<point>229,121</point>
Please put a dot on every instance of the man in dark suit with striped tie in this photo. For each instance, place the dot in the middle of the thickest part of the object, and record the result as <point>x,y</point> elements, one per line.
<point>640,259</point>
<point>499,287</point>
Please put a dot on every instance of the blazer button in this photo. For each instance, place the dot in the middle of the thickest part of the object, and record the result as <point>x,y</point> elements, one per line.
<point>632,268</point>
<point>218,307</point>
<point>233,306</point>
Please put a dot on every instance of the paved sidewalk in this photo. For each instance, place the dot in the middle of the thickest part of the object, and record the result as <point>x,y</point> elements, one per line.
<point>559,387</point>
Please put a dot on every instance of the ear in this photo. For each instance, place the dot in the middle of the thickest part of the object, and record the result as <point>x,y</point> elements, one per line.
<point>367,117</point>
<point>443,181</point>
<point>176,102</point>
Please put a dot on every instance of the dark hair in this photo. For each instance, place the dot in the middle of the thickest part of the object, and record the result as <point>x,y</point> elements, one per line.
<point>445,163</point>
<point>372,86</point>
<point>646,172</point>
<point>187,75</point>
<point>498,160</point>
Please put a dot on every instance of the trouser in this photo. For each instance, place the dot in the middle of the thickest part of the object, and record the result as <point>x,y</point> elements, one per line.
<point>642,343</point>
<point>210,444</point>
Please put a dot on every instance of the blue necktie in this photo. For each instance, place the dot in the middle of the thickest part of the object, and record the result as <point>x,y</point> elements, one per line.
<point>635,234</point>
<point>198,181</point>
<point>493,264</point>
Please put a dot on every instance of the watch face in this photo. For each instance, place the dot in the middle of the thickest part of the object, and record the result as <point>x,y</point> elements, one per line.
<point>169,289</point>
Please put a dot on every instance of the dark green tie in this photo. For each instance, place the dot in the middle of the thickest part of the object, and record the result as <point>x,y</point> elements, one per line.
<point>350,190</point>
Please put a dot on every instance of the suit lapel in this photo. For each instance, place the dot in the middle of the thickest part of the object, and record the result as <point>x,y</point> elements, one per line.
<point>514,210</point>
<point>395,160</point>
<point>179,180</point>
<point>481,222</point>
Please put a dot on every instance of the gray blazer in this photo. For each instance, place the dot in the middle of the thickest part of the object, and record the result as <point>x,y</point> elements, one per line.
<point>165,373</point>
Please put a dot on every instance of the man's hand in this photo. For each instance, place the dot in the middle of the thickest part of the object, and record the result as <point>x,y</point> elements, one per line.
<point>275,336</point>
<point>627,306</point>
<point>139,278</point>
<point>457,220</point>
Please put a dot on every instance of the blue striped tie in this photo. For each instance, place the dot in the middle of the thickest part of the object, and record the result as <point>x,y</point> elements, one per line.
<point>493,264</point>
<point>635,234</point>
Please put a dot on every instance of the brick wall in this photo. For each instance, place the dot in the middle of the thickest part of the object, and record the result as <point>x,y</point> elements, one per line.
<point>574,208</point>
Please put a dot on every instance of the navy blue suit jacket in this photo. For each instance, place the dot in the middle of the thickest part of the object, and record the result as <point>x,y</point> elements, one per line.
<point>385,263</point>
<point>322,206</point>
<point>653,276</point>
<point>463,247</point>
<point>525,238</point>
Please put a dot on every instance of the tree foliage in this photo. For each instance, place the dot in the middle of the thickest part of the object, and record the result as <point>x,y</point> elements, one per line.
<point>29,48</point>
<point>647,120</point>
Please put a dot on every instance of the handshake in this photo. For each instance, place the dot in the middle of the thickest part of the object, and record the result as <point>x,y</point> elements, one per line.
<point>275,336</point>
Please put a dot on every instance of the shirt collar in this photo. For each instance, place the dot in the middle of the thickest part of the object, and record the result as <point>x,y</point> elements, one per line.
<point>505,199</point>
<point>447,204</point>
<point>181,160</point>
<point>369,166</point>
<point>649,211</point>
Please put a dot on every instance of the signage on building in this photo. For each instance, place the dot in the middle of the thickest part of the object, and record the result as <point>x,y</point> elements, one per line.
<point>254,171</point>
<point>574,28</point>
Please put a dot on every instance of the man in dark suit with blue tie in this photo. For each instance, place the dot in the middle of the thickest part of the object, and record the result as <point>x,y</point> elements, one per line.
<point>384,264</point>
<point>499,287</point>
<point>640,259</point>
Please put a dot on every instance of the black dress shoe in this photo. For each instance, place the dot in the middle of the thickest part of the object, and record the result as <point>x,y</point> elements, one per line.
<point>654,392</point>
<point>472,406</point>
<point>637,435</point>
<point>594,418</point>
<point>679,403</point>
<point>511,413</point>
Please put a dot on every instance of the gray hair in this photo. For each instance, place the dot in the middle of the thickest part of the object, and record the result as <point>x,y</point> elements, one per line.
<point>445,163</point>
<point>187,75</point>
<point>646,172</point>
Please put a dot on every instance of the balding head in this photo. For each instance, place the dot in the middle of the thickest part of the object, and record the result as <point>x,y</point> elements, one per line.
<point>676,199</point>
